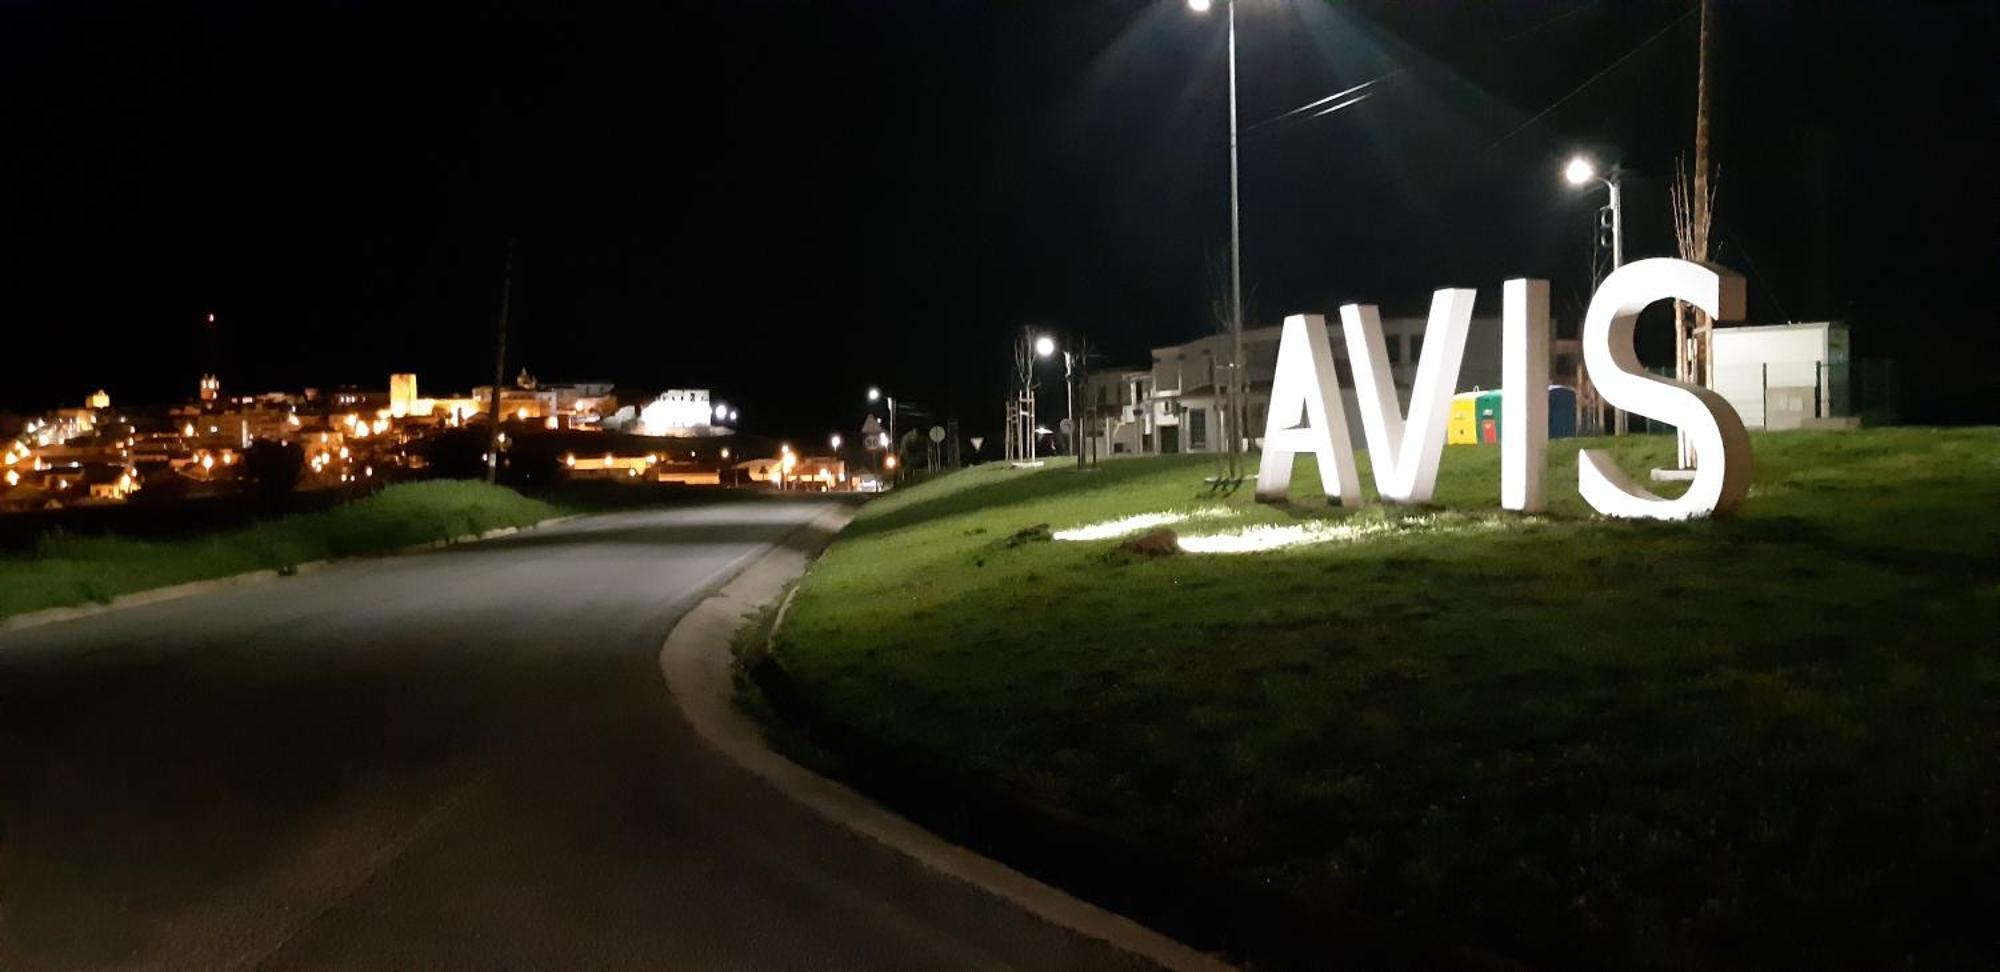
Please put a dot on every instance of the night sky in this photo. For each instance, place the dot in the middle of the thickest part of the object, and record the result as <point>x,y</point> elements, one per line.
<point>788,201</point>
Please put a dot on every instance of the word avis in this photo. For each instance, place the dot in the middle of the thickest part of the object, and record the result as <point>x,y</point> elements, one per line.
<point>1307,414</point>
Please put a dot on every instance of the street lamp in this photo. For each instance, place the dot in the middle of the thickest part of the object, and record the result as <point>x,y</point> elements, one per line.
<point>835,441</point>
<point>1579,172</point>
<point>875,394</point>
<point>1045,346</point>
<point>1235,248</point>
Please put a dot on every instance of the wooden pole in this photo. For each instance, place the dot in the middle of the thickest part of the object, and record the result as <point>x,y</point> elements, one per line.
<point>499,368</point>
<point>1704,199</point>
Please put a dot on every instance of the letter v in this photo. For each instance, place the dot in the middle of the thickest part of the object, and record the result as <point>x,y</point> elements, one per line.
<point>1405,456</point>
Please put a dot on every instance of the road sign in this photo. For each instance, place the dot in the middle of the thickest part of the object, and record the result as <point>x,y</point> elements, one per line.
<point>977,441</point>
<point>937,433</point>
<point>1067,426</point>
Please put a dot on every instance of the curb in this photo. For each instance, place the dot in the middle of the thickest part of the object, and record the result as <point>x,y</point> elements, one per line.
<point>699,670</point>
<point>174,592</point>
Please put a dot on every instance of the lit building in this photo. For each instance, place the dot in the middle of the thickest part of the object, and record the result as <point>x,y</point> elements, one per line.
<point>403,395</point>
<point>211,388</point>
<point>680,412</point>
<point>99,399</point>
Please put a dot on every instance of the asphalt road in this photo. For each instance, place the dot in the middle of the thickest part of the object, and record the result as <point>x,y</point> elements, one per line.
<point>456,760</point>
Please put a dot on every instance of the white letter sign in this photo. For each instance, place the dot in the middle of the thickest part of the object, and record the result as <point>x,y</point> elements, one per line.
<point>1524,393</point>
<point>1305,379</point>
<point>1405,455</point>
<point>1721,447</point>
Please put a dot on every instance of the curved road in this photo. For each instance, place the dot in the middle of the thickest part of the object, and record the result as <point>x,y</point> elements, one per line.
<point>463,759</point>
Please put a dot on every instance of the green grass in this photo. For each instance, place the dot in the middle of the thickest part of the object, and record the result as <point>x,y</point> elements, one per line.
<point>66,570</point>
<point>1769,741</point>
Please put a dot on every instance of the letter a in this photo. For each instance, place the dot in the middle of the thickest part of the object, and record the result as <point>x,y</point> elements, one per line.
<point>1405,457</point>
<point>1305,379</point>
<point>1722,477</point>
<point>1524,393</point>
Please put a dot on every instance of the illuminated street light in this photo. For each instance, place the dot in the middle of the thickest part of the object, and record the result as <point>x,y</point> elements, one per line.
<point>875,394</point>
<point>1581,171</point>
<point>1045,346</point>
<point>835,440</point>
<point>721,412</point>
<point>1236,414</point>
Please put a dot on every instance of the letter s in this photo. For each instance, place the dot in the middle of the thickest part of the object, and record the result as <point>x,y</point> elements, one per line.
<point>1721,447</point>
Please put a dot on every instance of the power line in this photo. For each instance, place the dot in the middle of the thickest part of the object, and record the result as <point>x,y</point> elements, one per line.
<point>1392,75</point>
<point>1613,66</point>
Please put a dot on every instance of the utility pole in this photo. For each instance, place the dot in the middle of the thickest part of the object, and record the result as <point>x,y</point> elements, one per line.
<point>1702,193</point>
<point>499,368</point>
<point>1235,271</point>
<point>1694,212</point>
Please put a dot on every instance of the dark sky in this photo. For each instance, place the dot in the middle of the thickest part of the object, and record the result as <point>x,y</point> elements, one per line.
<point>789,201</point>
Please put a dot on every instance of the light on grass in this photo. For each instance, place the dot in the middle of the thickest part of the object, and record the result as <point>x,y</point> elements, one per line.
<point>1256,539</point>
<point>1108,529</point>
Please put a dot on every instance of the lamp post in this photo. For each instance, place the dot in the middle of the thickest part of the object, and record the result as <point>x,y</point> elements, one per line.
<point>1235,246</point>
<point>1580,171</point>
<point>1045,346</point>
<point>874,395</point>
<point>888,444</point>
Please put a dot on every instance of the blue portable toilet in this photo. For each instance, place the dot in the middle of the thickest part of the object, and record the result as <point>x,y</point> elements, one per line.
<point>1562,412</point>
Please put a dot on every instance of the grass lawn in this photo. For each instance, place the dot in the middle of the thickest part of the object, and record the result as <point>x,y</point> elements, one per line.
<point>1765,742</point>
<point>65,570</point>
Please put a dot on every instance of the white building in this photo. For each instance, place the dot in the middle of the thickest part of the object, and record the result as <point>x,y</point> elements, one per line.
<point>1178,404</point>
<point>1784,376</point>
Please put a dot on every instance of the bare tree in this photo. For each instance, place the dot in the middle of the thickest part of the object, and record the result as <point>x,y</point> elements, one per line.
<point>1694,213</point>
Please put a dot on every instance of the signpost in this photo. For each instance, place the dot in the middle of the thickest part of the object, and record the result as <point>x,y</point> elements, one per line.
<point>1406,449</point>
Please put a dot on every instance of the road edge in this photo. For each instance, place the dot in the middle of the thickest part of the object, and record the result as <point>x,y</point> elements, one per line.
<point>174,592</point>
<point>699,669</point>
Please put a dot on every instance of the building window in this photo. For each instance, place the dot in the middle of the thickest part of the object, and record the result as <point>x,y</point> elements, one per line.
<point>1395,345</point>
<point>1197,419</point>
<point>1416,347</point>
